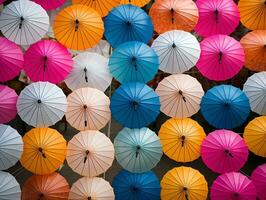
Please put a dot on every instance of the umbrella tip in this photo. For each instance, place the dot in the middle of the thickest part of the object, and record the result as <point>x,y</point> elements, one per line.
<point>85,106</point>
<point>174,45</point>
<point>39,101</point>
<point>236,194</point>
<point>134,188</point>
<point>128,23</point>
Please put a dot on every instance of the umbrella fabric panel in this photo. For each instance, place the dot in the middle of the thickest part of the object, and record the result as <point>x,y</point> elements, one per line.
<point>50,4</point>
<point>9,187</point>
<point>139,3</point>
<point>258,178</point>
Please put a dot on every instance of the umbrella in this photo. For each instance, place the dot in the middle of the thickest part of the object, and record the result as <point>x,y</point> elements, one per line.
<point>253,13</point>
<point>11,146</point>
<point>8,100</point>
<point>258,178</point>
<point>255,88</point>
<point>178,51</point>
<point>136,186</point>
<point>2,1</point>
<point>78,27</point>
<point>224,151</point>
<point>255,50</point>
<point>9,187</point>
<point>225,106</point>
<point>217,17</point>
<point>231,186</point>
<point>127,23</point>
<point>181,139</point>
<point>50,187</point>
<point>137,150</point>
<point>135,105</point>
<point>44,150</point>
<point>11,60</point>
<point>183,183</point>
<point>180,95</point>
<point>91,188</point>
<point>50,4</point>
<point>90,153</point>
<point>47,60</point>
<point>89,70</point>
<point>88,109</point>
<point>24,22</point>
<point>133,62</point>
<point>41,104</point>
<point>255,136</point>
<point>139,3</point>
<point>168,15</point>
<point>222,57</point>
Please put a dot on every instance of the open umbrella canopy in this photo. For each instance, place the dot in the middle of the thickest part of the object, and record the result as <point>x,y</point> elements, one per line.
<point>225,106</point>
<point>178,51</point>
<point>258,178</point>
<point>133,62</point>
<point>9,187</point>
<point>50,4</point>
<point>139,3</point>
<point>136,186</point>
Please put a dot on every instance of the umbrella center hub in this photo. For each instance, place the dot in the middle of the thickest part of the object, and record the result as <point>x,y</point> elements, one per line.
<point>134,188</point>
<point>87,152</point>
<point>89,198</point>
<point>226,104</point>
<point>85,106</point>
<point>135,104</point>
<point>128,23</point>
<point>39,101</point>
<point>236,194</point>
<point>216,13</point>
<point>174,45</point>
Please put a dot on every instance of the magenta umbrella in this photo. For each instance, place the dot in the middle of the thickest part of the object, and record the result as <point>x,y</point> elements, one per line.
<point>50,4</point>
<point>47,60</point>
<point>2,1</point>
<point>8,101</point>
<point>222,57</point>
<point>258,177</point>
<point>217,17</point>
<point>233,186</point>
<point>11,60</point>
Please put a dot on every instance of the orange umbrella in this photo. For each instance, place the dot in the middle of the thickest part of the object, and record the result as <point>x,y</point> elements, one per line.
<point>44,150</point>
<point>139,3</point>
<point>50,187</point>
<point>254,44</point>
<point>174,14</point>
<point>78,27</point>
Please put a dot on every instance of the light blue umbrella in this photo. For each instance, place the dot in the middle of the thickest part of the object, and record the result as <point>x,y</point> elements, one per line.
<point>133,62</point>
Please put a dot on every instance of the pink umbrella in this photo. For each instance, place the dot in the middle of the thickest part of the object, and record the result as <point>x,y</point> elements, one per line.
<point>2,1</point>
<point>11,60</point>
<point>217,17</point>
<point>224,151</point>
<point>258,177</point>
<point>233,186</point>
<point>8,101</point>
<point>222,57</point>
<point>50,4</point>
<point>47,60</point>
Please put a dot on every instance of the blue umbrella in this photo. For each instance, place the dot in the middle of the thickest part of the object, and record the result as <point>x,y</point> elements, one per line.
<point>127,23</point>
<point>132,186</point>
<point>133,62</point>
<point>135,105</point>
<point>225,107</point>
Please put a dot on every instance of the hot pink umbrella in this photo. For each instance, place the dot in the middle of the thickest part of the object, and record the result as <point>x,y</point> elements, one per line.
<point>11,60</point>
<point>50,4</point>
<point>224,151</point>
<point>47,60</point>
<point>217,17</point>
<point>233,186</point>
<point>2,1</point>
<point>222,57</point>
<point>8,101</point>
<point>258,177</point>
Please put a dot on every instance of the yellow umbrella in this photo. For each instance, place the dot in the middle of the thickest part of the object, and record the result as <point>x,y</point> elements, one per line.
<point>44,150</point>
<point>139,3</point>
<point>255,136</point>
<point>183,183</point>
<point>181,139</point>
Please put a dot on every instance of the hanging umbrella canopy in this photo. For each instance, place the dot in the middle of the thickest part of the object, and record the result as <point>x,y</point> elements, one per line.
<point>44,150</point>
<point>231,186</point>
<point>181,139</point>
<point>183,183</point>
<point>136,186</point>
<point>90,153</point>
<point>41,104</point>
<point>127,23</point>
<point>89,70</point>
<point>168,15</point>
<point>78,27</point>
<point>225,106</point>
<point>139,3</point>
<point>91,188</point>
<point>50,4</point>
<point>133,62</point>
<point>258,178</point>
<point>178,51</point>
<point>180,95</point>
<point>24,22</point>
<point>137,150</point>
<point>50,187</point>
<point>9,187</point>
<point>2,1</point>
<point>135,105</point>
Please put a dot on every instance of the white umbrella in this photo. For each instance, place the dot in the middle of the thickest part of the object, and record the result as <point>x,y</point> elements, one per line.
<point>255,89</point>
<point>89,70</point>
<point>41,104</point>
<point>9,187</point>
<point>24,22</point>
<point>11,146</point>
<point>178,51</point>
